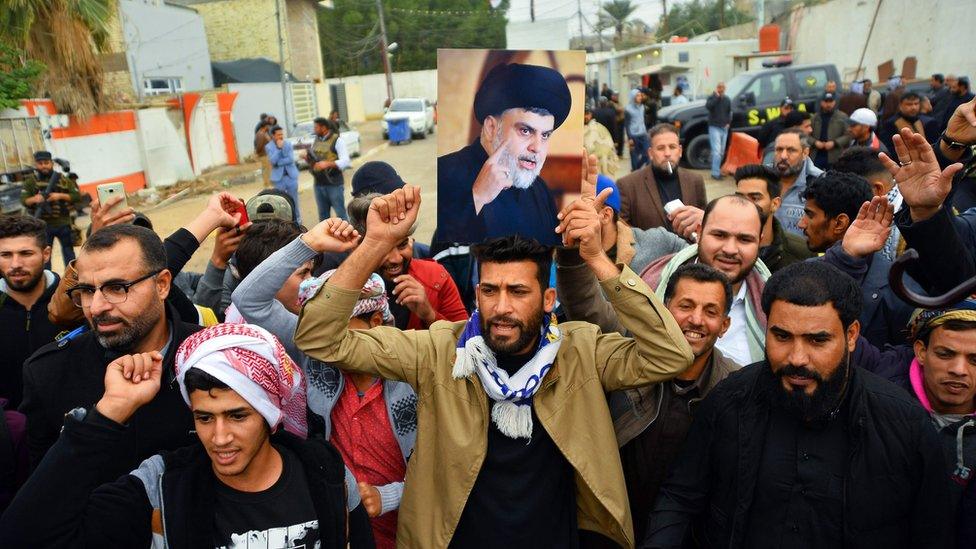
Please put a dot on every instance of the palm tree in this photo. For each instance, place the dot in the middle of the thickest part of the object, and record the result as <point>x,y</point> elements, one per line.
<point>616,13</point>
<point>66,36</point>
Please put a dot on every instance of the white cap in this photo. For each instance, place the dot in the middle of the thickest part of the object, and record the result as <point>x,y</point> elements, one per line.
<point>864,116</point>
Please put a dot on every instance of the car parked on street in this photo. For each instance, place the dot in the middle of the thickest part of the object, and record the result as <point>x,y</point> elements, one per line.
<point>418,110</point>
<point>304,136</point>
<point>756,98</point>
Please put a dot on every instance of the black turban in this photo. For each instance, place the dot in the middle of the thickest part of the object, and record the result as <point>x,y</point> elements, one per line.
<point>516,86</point>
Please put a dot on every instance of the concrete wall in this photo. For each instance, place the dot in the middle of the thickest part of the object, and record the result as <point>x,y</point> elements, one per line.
<point>252,100</point>
<point>165,41</point>
<point>163,146</point>
<point>935,32</point>
<point>303,40</point>
<point>240,29</point>
<point>373,89</point>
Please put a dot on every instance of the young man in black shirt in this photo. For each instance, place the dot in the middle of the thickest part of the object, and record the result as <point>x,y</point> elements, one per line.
<point>25,290</point>
<point>246,480</point>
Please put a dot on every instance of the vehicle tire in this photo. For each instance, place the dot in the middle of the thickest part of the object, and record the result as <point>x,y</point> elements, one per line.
<point>421,135</point>
<point>386,136</point>
<point>430,130</point>
<point>698,153</point>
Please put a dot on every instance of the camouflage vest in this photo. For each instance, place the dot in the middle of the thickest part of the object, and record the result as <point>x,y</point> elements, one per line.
<point>59,212</point>
<point>325,149</point>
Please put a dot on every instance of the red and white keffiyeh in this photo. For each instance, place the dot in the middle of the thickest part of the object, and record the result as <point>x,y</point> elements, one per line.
<point>255,365</point>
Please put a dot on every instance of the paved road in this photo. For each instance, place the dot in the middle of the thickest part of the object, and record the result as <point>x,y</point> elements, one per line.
<point>415,162</point>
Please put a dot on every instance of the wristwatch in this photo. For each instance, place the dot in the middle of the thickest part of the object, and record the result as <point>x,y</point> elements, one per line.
<point>953,145</point>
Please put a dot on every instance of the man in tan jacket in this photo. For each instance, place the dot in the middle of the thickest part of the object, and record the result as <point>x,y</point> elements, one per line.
<point>515,446</point>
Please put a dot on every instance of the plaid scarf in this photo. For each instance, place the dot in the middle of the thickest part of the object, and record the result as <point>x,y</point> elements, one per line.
<point>254,364</point>
<point>513,394</point>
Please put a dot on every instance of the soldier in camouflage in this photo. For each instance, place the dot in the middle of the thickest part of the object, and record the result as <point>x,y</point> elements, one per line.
<point>62,199</point>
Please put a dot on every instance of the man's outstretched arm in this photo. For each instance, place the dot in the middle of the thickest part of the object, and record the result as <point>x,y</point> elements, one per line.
<point>658,350</point>
<point>322,331</point>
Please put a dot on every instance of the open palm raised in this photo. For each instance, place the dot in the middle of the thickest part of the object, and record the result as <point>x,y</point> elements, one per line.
<point>868,233</point>
<point>921,183</point>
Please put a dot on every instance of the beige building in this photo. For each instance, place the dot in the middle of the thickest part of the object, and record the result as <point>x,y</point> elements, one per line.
<point>243,29</point>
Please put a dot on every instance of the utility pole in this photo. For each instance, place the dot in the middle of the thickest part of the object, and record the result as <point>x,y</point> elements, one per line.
<point>532,10</point>
<point>281,65</point>
<point>664,19</point>
<point>579,14</point>
<point>384,53</point>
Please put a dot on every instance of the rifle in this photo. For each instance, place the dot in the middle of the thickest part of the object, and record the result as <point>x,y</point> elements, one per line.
<point>44,206</point>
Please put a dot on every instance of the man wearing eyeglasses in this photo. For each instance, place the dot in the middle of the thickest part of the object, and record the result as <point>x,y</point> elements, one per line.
<point>122,286</point>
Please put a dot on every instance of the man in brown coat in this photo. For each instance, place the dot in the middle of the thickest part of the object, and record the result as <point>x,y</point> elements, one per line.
<point>261,139</point>
<point>644,193</point>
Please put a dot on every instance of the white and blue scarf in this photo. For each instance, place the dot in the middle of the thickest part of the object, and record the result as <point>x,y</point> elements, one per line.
<point>512,412</point>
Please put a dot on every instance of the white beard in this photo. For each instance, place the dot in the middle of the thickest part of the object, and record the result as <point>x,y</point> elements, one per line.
<point>521,178</point>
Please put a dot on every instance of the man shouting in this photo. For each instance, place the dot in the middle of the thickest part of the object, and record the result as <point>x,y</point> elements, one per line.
<point>515,446</point>
<point>492,187</point>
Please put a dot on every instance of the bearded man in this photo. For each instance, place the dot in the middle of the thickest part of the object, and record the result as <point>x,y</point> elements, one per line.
<point>25,291</point>
<point>515,446</point>
<point>803,449</point>
<point>122,287</point>
<point>492,188</point>
<point>794,165</point>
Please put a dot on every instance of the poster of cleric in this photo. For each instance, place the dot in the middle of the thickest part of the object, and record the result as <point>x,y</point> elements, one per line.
<point>509,142</point>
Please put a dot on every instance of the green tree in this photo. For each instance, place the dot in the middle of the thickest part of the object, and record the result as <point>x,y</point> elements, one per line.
<point>66,36</point>
<point>17,75</point>
<point>350,34</point>
<point>701,16</point>
<point>616,13</point>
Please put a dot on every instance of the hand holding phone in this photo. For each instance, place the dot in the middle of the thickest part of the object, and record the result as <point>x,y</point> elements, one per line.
<point>108,191</point>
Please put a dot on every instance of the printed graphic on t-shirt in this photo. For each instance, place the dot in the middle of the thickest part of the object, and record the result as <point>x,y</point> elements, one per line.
<point>296,536</point>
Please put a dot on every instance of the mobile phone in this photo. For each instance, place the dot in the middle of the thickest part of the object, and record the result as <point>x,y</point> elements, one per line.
<point>242,209</point>
<point>108,191</point>
<point>672,206</point>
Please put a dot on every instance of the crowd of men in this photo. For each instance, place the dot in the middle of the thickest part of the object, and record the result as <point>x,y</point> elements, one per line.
<point>735,372</point>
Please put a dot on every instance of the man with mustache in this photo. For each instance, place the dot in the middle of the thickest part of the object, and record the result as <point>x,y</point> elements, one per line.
<point>650,422</point>
<point>122,287</point>
<point>420,291</point>
<point>833,202</point>
<point>730,229</point>
<point>645,192</point>
<point>803,449</point>
<point>64,197</point>
<point>937,365</point>
<point>515,446</point>
<point>25,291</point>
<point>760,184</point>
<point>792,161</point>
<point>908,116</point>
<point>492,187</point>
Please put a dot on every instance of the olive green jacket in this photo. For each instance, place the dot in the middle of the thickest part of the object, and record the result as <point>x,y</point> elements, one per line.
<point>60,212</point>
<point>453,414</point>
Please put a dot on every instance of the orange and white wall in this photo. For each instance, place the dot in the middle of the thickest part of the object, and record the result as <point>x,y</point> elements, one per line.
<point>145,148</point>
<point>101,149</point>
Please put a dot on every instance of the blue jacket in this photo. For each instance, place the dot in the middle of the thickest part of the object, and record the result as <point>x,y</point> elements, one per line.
<point>282,161</point>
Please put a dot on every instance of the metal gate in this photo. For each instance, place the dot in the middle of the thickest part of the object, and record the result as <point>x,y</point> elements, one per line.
<point>19,138</point>
<point>302,102</point>
<point>338,94</point>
